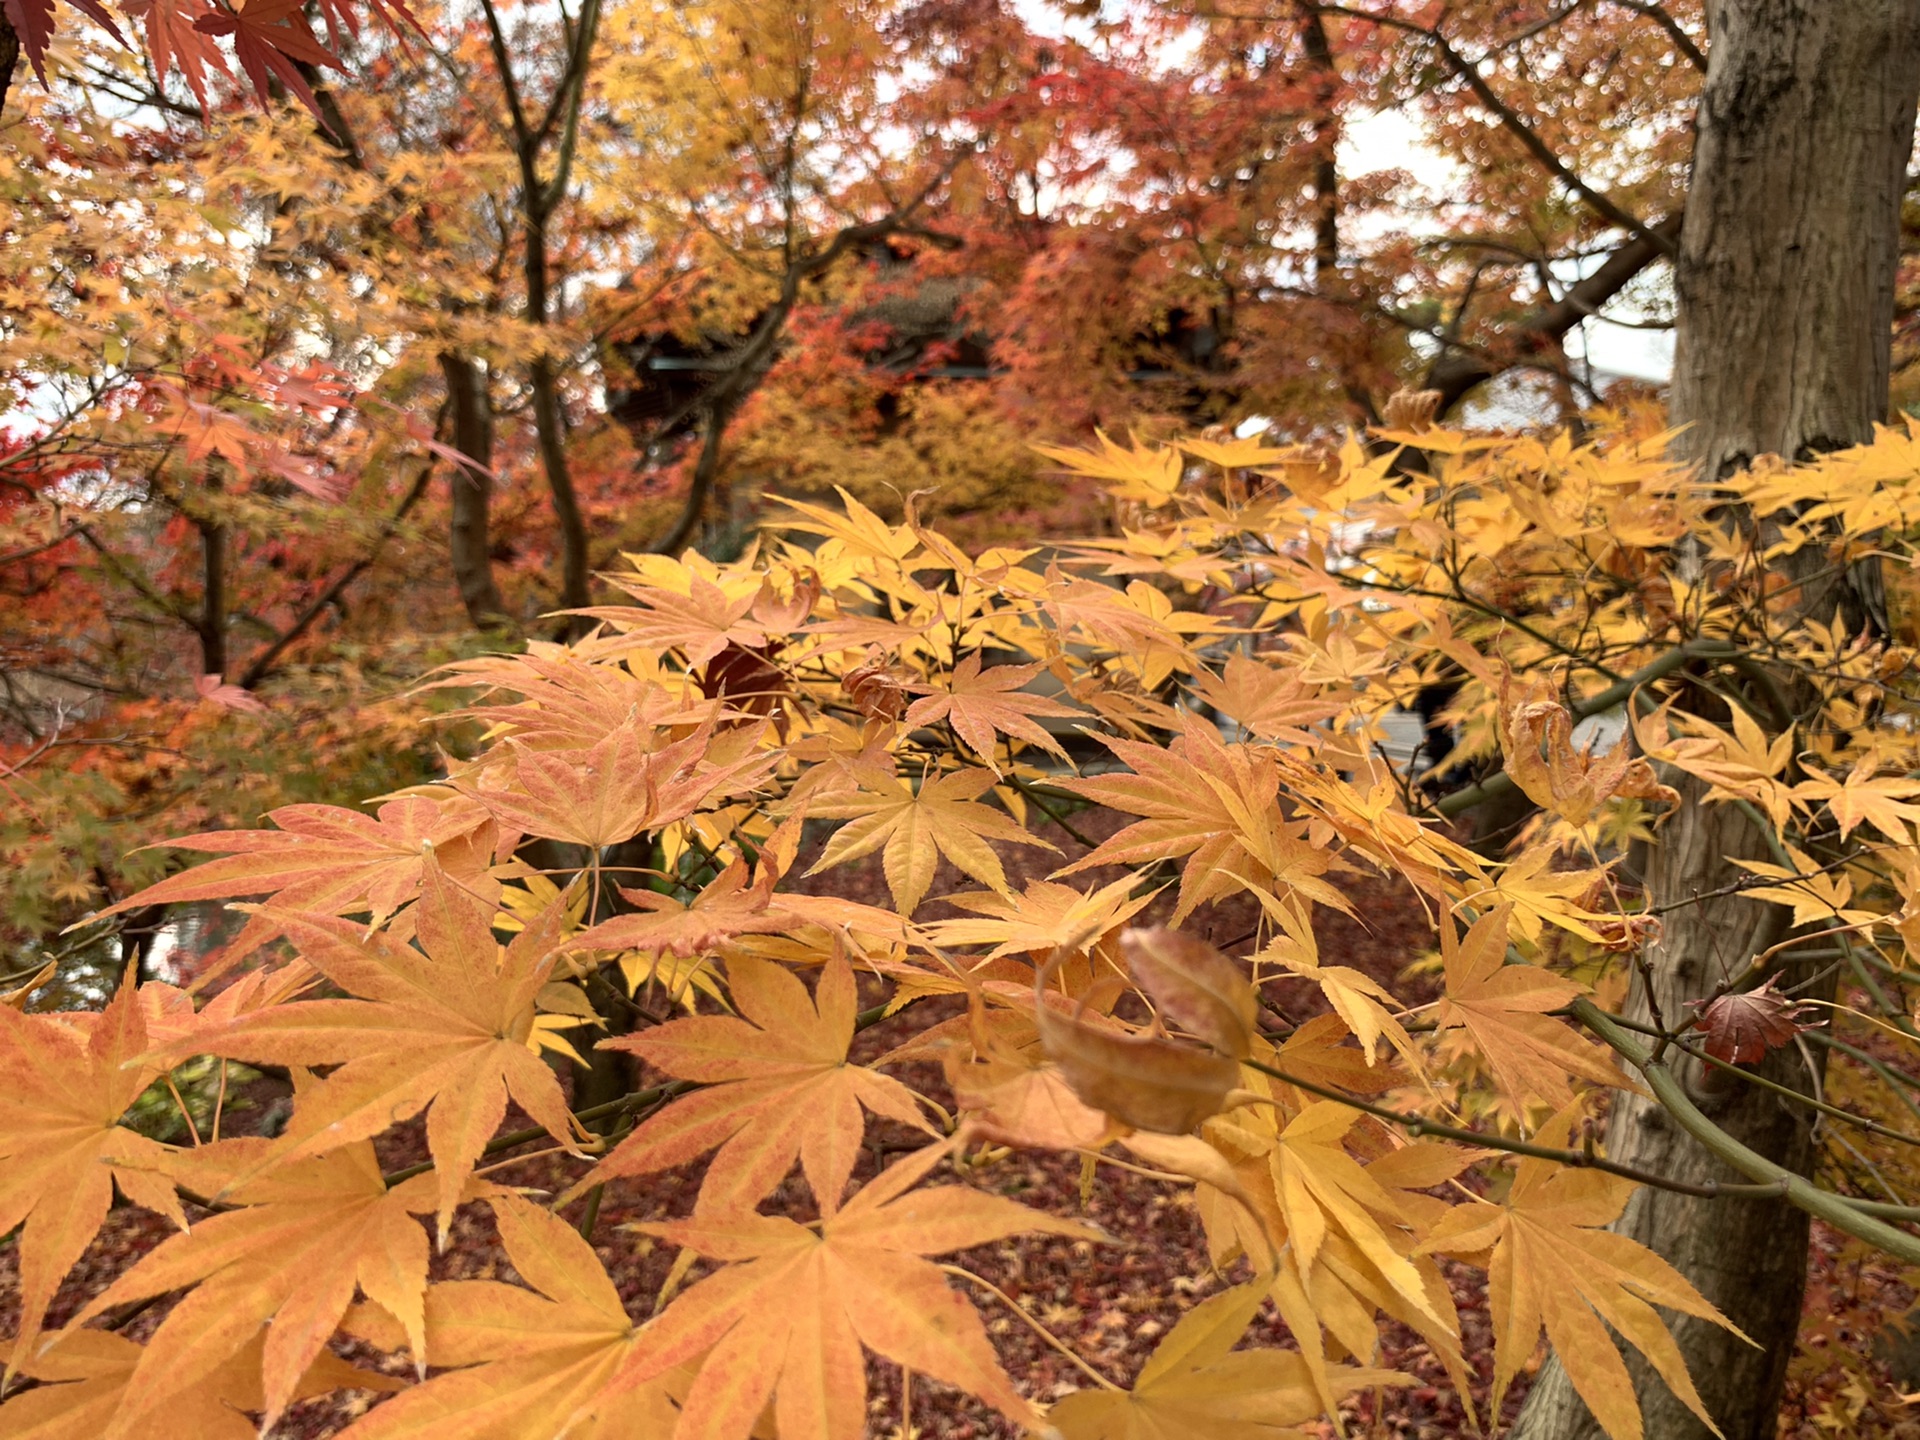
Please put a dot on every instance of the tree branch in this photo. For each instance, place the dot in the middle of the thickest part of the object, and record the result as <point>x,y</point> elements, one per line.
<point>264,662</point>
<point>1457,371</point>
<point>1515,125</point>
<point>1836,1210</point>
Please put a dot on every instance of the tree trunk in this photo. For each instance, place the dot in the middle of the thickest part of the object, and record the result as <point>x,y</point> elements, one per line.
<point>1785,283</point>
<point>468,543</point>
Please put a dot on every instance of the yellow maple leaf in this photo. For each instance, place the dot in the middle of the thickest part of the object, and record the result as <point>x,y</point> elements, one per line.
<point>1553,1267</point>
<point>1195,1383</point>
<point>917,827</point>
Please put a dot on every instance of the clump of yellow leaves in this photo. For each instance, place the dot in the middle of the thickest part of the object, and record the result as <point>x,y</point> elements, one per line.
<point>995,801</point>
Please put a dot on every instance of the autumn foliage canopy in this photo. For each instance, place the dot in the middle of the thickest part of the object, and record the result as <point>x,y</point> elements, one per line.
<point>708,634</point>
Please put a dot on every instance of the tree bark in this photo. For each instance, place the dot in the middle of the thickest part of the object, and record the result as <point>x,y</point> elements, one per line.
<point>1785,286</point>
<point>469,546</point>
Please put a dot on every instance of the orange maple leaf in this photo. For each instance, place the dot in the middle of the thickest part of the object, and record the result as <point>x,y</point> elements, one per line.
<point>781,1089</point>
<point>1881,801</point>
<point>305,1236</point>
<point>787,1318</point>
<point>68,1079</point>
<point>624,783</point>
<point>1215,805</point>
<point>513,1353</point>
<point>1502,1007</point>
<point>699,624</point>
<point>982,704</point>
<point>333,861</point>
<point>87,1379</point>
<point>448,1031</point>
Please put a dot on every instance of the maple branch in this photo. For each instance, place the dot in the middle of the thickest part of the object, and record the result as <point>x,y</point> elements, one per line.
<point>497,39</point>
<point>1458,370</point>
<point>1517,126</point>
<point>1838,1211</point>
<point>1657,13</point>
<point>1032,792</point>
<point>263,663</point>
<point>753,358</point>
<point>1674,1040</point>
<point>1418,1126</point>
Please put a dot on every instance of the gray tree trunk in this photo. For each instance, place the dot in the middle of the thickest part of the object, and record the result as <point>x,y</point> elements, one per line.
<point>470,547</point>
<point>1785,282</point>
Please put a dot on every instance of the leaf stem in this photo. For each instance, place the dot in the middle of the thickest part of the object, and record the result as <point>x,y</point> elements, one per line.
<point>1045,1334</point>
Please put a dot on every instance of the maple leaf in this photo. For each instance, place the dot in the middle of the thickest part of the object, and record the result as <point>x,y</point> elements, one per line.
<point>982,704</point>
<point>1537,738</point>
<point>855,531</point>
<point>1145,474</point>
<point>615,788</point>
<point>1196,1383</point>
<point>1041,918</point>
<point>1742,765</point>
<point>289,1259</point>
<point>1272,701</point>
<point>1742,1027</point>
<point>700,622</point>
<point>271,40</point>
<point>175,42</point>
<point>917,827</point>
<point>1016,1097</point>
<point>447,1030</point>
<point>730,906</point>
<point>68,1080</point>
<point>1320,1190</point>
<point>328,860</point>
<point>787,1317</point>
<point>780,1089</point>
<point>511,1353</point>
<point>89,1389</point>
<point>1127,622</point>
<point>1502,1007</point>
<point>1215,805</point>
<point>1864,797</point>
<point>1553,1267</point>
<point>1539,895</point>
<point>568,703</point>
<point>1816,895</point>
<point>1356,997</point>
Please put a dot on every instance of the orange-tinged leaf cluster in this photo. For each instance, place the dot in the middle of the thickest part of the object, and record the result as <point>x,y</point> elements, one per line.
<point>631,857</point>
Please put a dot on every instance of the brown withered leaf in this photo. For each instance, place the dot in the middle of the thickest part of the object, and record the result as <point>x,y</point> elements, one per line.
<point>1147,1081</point>
<point>878,689</point>
<point>1196,987</point>
<point>1742,1027</point>
<point>1536,737</point>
